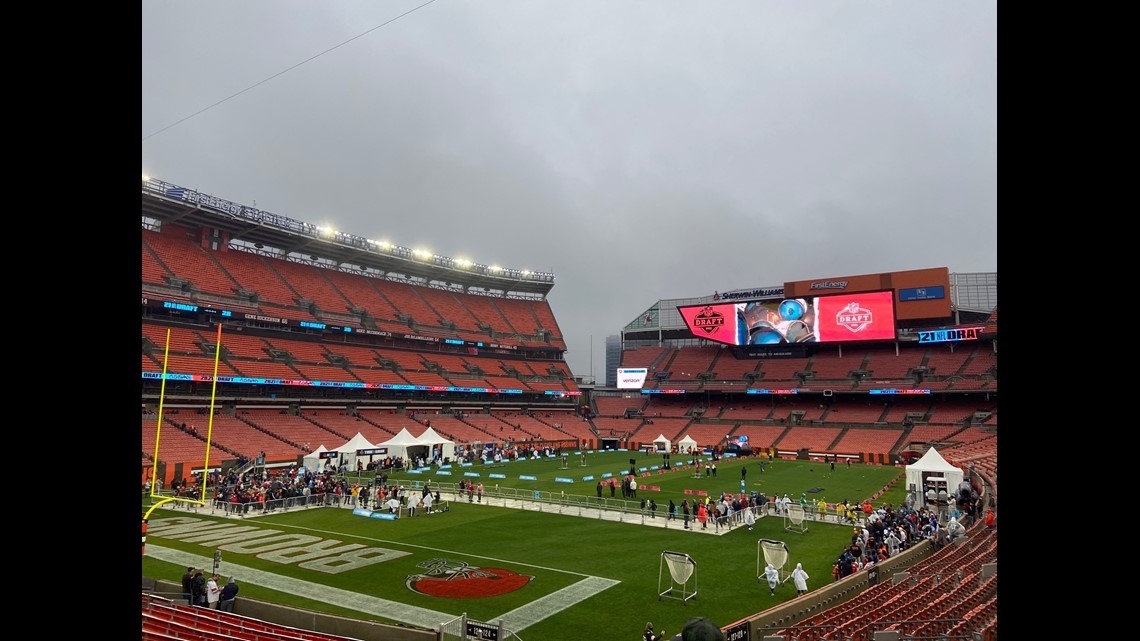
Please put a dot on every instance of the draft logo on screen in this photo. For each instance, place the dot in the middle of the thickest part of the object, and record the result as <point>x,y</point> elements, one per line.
<point>854,317</point>
<point>709,320</point>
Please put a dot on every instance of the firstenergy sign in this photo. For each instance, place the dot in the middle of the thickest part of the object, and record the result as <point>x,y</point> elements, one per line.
<point>631,377</point>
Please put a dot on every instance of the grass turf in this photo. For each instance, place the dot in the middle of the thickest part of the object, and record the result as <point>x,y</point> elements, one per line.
<point>557,549</point>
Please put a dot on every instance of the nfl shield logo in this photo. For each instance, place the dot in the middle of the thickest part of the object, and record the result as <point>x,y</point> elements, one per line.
<point>854,317</point>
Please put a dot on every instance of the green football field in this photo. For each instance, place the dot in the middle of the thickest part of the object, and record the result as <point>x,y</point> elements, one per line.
<point>546,575</point>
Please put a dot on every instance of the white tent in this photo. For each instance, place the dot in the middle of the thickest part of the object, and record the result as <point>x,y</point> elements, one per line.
<point>661,443</point>
<point>432,439</point>
<point>403,445</point>
<point>684,444</point>
<point>347,451</point>
<point>312,460</point>
<point>931,471</point>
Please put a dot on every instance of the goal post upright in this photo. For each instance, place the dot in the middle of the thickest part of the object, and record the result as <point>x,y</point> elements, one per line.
<point>158,434</point>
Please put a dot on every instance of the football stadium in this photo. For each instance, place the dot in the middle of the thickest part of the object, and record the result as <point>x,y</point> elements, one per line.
<point>348,439</point>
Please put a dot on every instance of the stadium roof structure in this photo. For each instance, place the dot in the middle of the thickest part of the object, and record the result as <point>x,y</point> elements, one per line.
<point>282,237</point>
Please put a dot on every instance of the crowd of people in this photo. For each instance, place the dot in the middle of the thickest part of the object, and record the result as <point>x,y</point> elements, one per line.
<point>260,491</point>
<point>886,531</point>
<point>203,592</point>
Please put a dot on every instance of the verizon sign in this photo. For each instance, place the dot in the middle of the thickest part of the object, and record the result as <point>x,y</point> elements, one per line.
<point>631,377</point>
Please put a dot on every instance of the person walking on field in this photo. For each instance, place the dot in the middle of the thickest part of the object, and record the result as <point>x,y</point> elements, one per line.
<point>799,577</point>
<point>773,577</point>
<point>685,512</point>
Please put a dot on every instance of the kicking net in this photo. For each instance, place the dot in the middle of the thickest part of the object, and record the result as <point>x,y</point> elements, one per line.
<point>794,518</point>
<point>774,552</point>
<point>682,570</point>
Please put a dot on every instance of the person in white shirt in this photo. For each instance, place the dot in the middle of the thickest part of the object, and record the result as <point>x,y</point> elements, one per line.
<point>213,593</point>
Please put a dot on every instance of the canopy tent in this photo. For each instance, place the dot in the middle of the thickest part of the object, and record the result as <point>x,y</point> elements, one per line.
<point>404,445</point>
<point>931,471</point>
<point>432,439</point>
<point>312,460</point>
<point>347,450</point>
<point>661,443</point>
<point>684,444</point>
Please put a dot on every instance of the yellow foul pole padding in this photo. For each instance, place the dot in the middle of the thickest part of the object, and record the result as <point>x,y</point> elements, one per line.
<point>158,431</point>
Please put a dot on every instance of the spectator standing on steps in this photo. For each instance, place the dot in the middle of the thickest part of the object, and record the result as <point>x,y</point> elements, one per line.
<point>198,588</point>
<point>187,589</point>
<point>229,593</point>
<point>213,593</point>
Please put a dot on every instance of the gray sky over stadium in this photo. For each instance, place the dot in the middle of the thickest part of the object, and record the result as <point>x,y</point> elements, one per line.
<point>638,150</point>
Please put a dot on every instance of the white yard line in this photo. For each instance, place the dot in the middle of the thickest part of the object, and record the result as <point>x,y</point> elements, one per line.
<point>515,620</point>
<point>523,617</point>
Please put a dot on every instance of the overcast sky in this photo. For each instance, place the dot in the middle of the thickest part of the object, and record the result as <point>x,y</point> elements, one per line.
<point>638,150</point>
